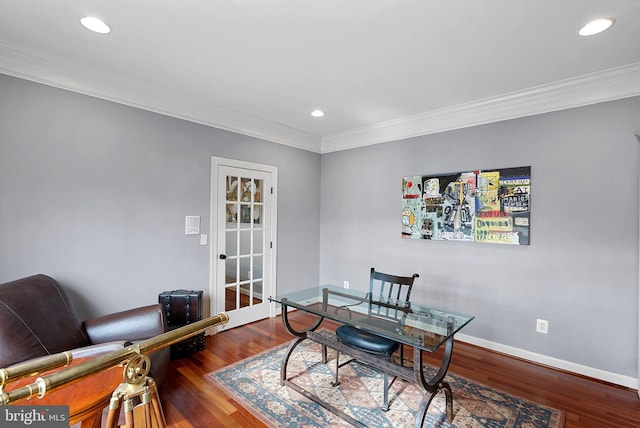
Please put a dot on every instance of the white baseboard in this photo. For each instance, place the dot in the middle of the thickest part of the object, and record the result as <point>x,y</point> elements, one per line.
<point>615,378</point>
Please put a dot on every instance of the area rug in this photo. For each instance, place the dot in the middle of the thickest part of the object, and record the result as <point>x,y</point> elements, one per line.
<point>255,384</point>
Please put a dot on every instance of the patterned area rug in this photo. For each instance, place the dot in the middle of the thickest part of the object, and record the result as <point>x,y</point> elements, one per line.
<point>255,384</point>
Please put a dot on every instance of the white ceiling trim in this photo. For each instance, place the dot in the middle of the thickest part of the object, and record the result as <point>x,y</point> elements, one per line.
<point>588,89</point>
<point>608,85</point>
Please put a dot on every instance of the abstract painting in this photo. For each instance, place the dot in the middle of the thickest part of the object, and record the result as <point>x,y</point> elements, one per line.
<point>490,206</point>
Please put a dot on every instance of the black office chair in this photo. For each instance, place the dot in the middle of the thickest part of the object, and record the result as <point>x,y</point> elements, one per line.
<point>382,288</point>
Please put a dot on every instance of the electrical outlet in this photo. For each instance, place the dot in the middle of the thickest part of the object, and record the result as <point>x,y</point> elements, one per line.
<point>346,284</point>
<point>542,326</point>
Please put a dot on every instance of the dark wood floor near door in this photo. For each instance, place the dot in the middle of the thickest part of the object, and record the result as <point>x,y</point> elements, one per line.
<point>190,400</point>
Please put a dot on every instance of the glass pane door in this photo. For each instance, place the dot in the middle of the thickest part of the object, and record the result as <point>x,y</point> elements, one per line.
<point>244,207</point>
<point>245,242</point>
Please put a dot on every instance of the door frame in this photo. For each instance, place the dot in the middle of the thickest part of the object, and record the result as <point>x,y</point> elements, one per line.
<point>214,251</point>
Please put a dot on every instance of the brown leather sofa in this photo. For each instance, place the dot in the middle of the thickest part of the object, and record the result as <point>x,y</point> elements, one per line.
<point>37,319</point>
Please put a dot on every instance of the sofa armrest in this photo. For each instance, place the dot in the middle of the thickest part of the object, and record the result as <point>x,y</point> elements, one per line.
<point>130,325</point>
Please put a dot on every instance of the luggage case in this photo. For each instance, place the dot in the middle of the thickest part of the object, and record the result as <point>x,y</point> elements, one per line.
<point>182,307</point>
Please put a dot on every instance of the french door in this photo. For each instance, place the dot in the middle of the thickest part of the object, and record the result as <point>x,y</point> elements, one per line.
<point>243,247</point>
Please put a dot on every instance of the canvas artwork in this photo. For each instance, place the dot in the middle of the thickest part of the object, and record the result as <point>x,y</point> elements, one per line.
<point>491,206</point>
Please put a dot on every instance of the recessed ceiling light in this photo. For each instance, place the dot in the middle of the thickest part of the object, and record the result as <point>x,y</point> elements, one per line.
<point>317,113</point>
<point>94,24</point>
<point>596,26</point>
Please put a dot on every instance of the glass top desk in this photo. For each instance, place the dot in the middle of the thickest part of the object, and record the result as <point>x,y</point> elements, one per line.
<point>421,327</point>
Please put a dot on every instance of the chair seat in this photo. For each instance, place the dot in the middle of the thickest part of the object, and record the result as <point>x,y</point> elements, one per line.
<point>366,341</point>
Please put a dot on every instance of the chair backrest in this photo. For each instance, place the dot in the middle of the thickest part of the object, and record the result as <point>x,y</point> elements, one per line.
<point>389,288</point>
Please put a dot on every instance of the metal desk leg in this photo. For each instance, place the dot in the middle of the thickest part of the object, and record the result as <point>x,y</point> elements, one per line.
<point>433,385</point>
<point>301,335</point>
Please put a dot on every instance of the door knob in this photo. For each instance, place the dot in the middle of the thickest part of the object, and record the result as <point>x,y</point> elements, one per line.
<point>223,256</point>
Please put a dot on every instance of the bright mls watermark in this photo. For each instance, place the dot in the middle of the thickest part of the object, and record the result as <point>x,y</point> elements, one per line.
<point>34,416</point>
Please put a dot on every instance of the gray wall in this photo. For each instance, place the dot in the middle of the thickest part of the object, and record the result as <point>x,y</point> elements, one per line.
<point>94,194</point>
<point>581,270</point>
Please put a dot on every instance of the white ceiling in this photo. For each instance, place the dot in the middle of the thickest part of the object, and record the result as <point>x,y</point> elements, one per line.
<point>380,69</point>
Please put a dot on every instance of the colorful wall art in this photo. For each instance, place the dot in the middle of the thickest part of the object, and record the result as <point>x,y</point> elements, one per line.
<point>489,206</point>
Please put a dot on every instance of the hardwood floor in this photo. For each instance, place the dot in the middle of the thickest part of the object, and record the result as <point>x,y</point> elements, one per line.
<point>190,400</point>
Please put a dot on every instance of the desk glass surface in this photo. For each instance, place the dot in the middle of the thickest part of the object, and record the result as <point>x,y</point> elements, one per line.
<point>416,325</point>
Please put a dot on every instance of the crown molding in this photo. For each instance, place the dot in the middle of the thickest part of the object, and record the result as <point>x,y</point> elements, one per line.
<point>607,85</point>
<point>41,68</point>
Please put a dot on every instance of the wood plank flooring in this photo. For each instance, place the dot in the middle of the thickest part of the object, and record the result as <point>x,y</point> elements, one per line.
<point>190,400</point>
